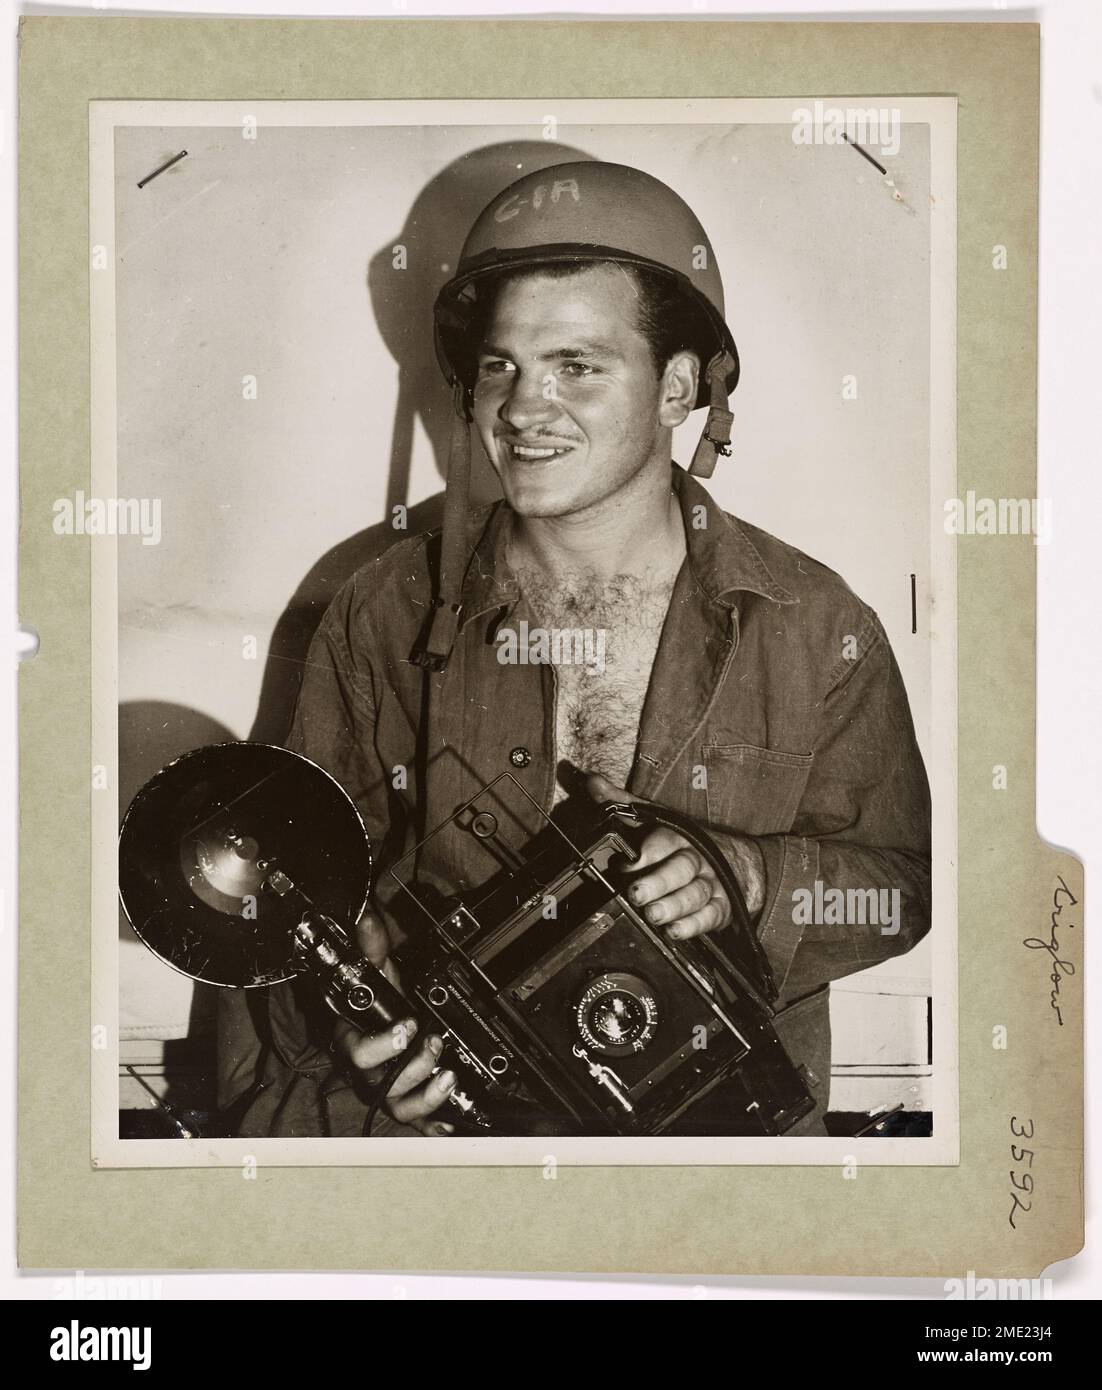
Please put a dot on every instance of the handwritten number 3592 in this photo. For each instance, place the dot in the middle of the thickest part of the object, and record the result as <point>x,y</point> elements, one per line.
<point>1020,1155</point>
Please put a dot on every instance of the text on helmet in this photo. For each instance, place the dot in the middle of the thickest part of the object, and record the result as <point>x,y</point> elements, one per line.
<point>514,203</point>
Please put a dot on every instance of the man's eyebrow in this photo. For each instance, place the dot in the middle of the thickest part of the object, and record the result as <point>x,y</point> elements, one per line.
<point>563,354</point>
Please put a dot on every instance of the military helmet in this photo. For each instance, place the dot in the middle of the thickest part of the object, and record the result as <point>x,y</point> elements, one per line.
<point>590,211</point>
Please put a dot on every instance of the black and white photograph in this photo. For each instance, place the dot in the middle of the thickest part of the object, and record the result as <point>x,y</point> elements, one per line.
<point>526,658</point>
<point>553,712</point>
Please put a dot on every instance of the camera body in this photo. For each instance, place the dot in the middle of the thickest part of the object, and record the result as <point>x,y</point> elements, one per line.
<point>565,1000</point>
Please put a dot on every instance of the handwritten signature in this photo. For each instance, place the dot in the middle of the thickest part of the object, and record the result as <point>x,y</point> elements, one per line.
<point>1062,897</point>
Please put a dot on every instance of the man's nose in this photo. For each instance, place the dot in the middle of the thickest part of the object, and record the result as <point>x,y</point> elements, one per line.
<point>530,401</point>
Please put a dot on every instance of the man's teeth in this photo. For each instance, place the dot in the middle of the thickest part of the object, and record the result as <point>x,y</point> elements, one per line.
<point>523,451</point>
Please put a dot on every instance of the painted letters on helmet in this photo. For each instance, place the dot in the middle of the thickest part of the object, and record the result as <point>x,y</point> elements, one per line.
<point>514,204</point>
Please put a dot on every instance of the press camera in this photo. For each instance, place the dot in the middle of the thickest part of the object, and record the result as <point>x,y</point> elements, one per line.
<point>562,1009</point>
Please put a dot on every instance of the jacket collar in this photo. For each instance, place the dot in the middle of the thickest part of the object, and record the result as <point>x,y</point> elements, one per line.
<point>721,555</point>
<point>723,558</point>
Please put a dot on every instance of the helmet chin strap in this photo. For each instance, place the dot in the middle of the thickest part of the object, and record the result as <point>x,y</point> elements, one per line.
<point>432,653</point>
<point>716,438</point>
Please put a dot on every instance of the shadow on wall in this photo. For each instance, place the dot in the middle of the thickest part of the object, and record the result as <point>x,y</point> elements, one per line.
<point>402,301</point>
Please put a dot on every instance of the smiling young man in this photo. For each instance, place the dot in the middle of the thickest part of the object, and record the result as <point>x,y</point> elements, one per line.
<point>741,683</point>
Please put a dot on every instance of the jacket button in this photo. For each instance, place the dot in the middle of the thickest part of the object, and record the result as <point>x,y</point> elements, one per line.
<point>520,757</point>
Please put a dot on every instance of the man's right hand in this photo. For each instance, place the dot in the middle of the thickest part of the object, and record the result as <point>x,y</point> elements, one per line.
<point>415,1094</point>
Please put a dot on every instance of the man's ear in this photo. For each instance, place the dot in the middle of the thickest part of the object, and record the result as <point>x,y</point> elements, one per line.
<point>679,387</point>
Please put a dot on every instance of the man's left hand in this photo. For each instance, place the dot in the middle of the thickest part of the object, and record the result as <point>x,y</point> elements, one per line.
<point>681,891</point>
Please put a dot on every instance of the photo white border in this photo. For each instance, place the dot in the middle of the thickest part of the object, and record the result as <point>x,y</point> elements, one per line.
<point>940,1149</point>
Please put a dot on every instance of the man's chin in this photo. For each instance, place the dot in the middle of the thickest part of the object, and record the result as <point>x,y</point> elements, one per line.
<point>535,498</point>
<point>526,503</point>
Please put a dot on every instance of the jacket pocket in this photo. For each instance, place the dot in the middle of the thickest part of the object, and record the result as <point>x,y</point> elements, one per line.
<point>755,791</point>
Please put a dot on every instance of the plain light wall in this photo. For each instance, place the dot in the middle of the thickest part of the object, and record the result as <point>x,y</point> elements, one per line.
<point>273,259</point>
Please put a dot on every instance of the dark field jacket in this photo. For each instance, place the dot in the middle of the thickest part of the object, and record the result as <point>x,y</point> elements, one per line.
<point>771,676</point>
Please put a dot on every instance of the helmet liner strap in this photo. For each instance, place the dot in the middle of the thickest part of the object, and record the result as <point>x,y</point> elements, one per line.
<point>716,438</point>
<point>447,608</point>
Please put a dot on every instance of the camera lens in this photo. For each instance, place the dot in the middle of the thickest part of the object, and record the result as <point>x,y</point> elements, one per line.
<point>617,1013</point>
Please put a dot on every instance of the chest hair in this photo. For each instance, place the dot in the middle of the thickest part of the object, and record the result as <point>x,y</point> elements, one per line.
<point>597,711</point>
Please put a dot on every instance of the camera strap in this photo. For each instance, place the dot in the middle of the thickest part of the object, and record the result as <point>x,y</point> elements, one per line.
<point>751,957</point>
